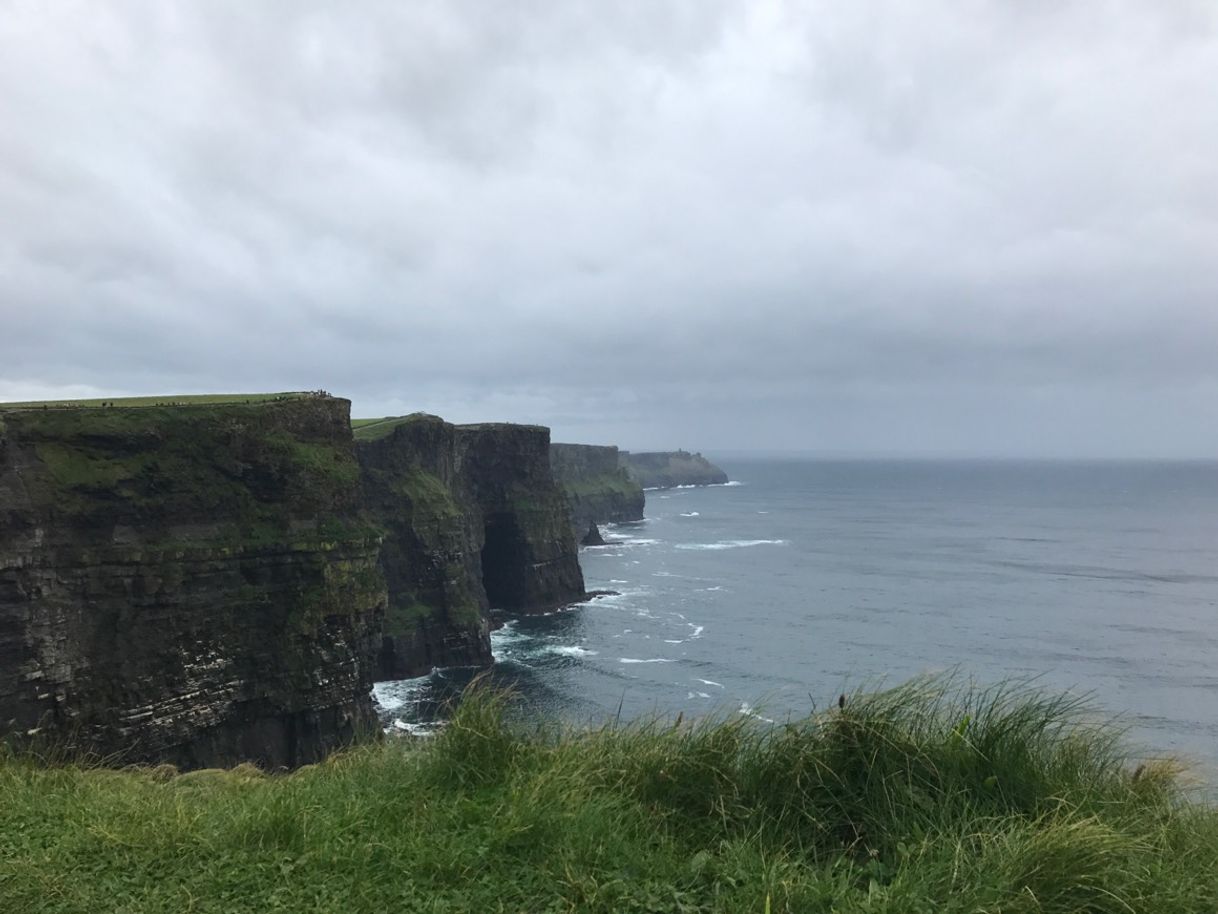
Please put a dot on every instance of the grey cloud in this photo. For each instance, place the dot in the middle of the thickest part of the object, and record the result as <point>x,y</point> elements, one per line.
<point>878,225</point>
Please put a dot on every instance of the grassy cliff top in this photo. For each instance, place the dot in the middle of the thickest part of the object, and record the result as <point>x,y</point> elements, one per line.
<point>163,400</point>
<point>917,800</point>
<point>373,429</point>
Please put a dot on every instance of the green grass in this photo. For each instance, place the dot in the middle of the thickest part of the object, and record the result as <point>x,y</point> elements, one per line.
<point>375,429</point>
<point>600,486</point>
<point>164,400</point>
<point>923,799</point>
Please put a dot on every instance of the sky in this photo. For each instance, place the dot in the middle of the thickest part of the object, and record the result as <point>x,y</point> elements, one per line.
<point>875,227</point>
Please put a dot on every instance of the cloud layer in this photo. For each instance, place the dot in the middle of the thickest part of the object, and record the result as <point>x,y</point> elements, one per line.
<point>981,228</point>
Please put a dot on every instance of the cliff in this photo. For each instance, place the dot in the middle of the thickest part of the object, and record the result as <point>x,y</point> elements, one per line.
<point>431,556</point>
<point>194,583</point>
<point>597,486</point>
<point>473,521</point>
<point>666,469</point>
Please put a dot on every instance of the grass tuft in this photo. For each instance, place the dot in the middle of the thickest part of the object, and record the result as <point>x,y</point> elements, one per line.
<point>926,798</point>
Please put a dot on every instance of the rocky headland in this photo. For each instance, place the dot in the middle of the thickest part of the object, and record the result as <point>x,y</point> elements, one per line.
<point>597,487</point>
<point>668,469</point>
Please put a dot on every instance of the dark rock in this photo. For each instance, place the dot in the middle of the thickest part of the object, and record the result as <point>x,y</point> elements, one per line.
<point>193,584</point>
<point>593,536</point>
<point>530,561</point>
<point>597,488</point>
<point>473,522</point>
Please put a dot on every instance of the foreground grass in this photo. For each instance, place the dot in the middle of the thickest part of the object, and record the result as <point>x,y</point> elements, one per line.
<point>922,799</point>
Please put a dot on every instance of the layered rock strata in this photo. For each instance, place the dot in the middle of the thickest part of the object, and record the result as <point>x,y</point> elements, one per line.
<point>597,487</point>
<point>194,583</point>
<point>473,521</point>
<point>668,469</point>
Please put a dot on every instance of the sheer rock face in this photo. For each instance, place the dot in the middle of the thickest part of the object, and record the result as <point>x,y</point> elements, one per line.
<point>474,522</point>
<point>432,554</point>
<point>667,469</point>
<point>194,584</point>
<point>597,487</point>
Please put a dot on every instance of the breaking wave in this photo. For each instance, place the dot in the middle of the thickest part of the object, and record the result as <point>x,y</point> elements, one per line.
<point>650,660</point>
<point>730,544</point>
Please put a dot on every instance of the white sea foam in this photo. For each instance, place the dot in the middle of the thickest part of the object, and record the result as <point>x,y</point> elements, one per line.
<point>712,589</point>
<point>394,694</point>
<point>571,650</point>
<point>748,710</point>
<point>727,485</point>
<point>673,641</point>
<point>697,630</point>
<point>697,695</point>
<point>427,728</point>
<point>691,514</point>
<point>729,544</point>
<point>709,682</point>
<point>649,660</point>
<point>617,540</point>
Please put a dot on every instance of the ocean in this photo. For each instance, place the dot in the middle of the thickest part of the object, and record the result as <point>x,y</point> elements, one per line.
<point>804,579</point>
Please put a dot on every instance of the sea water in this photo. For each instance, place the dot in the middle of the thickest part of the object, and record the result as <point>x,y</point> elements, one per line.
<point>803,579</point>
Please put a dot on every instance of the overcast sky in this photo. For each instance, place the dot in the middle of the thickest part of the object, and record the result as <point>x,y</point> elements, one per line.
<point>890,227</point>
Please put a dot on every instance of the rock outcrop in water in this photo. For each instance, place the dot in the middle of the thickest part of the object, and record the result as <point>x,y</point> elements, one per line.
<point>597,487</point>
<point>195,583</point>
<point>667,469</point>
<point>474,521</point>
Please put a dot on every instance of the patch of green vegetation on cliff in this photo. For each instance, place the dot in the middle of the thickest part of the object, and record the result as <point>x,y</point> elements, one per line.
<point>597,486</point>
<point>326,460</point>
<point>428,495</point>
<point>402,618</point>
<point>230,459</point>
<point>918,800</point>
<point>78,468</point>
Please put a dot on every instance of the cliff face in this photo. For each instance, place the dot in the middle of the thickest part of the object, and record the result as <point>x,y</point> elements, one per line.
<point>530,562</point>
<point>474,521</point>
<point>666,469</point>
<point>431,556</point>
<point>597,486</point>
<point>195,584</point>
